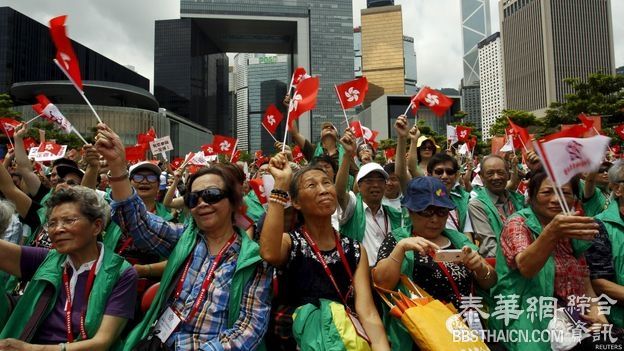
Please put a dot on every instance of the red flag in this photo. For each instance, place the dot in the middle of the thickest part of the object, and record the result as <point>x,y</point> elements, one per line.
<point>356,128</point>
<point>258,187</point>
<point>521,133</point>
<point>299,75</point>
<point>152,133</point>
<point>304,98</point>
<point>176,163</point>
<point>64,51</point>
<point>463,133</point>
<point>619,130</point>
<point>472,143</point>
<point>573,131</point>
<point>272,118</point>
<point>135,153</point>
<point>9,125</point>
<point>29,143</point>
<point>390,153</point>
<point>437,102</point>
<point>588,123</point>
<point>49,146</point>
<point>236,156</point>
<point>50,112</point>
<point>208,150</point>
<point>260,159</point>
<point>515,138</point>
<point>223,145</point>
<point>616,149</point>
<point>297,154</point>
<point>352,93</point>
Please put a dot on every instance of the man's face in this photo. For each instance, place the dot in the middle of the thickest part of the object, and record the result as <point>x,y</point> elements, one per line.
<point>327,168</point>
<point>446,173</point>
<point>54,177</point>
<point>393,188</point>
<point>495,175</point>
<point>365,154</point>
<point>372,187</point>
<point>146,184</point>
<point>329,130</point>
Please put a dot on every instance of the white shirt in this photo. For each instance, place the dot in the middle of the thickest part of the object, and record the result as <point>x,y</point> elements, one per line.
<point>83,268</point>
<point>450,223</point>
<point>394,203</point>
<point>377,227</point>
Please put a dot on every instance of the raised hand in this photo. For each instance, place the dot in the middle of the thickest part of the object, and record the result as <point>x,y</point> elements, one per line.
<point>414,134</point>
<point>573,227</point>
<point>20,131</point>
<point>348,142</point>
<point>402,126</point>
<point>91,155</point>
<point>109,145</point>
<point>281,171</point>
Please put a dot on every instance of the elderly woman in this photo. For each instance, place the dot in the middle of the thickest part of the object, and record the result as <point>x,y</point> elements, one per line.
<point>407,251</point>
<point>324,271</point>
<point>80,293</point>
<point>539,256</point>
<point>214,293</point>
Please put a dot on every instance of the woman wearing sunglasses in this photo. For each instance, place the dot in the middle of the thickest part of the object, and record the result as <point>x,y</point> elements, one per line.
<point>214,292</point>
<point>327,274</point>
<point>410,250</point>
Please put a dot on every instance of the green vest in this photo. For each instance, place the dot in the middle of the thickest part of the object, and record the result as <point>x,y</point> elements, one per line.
<point>460,198</point>
<point>614,224</point>
<point>50,272</point>
<point>595,204</point>
<point>113,232</point>
<point>397,334</point>
<point>511,282</point>
<point>492,212</point>
<point>255,210</point>
<point>355,227</point>
<point>248,258</point>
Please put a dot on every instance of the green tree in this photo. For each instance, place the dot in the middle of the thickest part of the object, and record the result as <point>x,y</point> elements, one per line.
<point>601,94</point>
<point>521,118</point>
<point>52,133</point>
<point>6,107</point>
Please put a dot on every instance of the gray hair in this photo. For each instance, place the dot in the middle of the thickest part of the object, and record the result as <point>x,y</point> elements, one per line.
<point>91,204</point>
<point>7,209</point>
<point>616,172</point>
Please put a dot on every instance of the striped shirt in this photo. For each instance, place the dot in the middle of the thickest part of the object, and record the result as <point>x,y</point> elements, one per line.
<point>208,329</point>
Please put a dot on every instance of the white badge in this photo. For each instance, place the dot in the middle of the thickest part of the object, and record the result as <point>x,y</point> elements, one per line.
<point>167,324</point>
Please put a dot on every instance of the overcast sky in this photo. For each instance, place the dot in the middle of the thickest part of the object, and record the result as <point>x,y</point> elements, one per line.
<point>123,30</point>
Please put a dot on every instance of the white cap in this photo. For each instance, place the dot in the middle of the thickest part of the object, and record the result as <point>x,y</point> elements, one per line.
<point>368,168</point>
<point>146,165</point>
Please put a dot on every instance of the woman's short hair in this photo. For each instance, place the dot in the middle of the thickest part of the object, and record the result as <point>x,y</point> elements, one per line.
<point>538,178</point>
<point>294,184</point>
<point>7,209</point>
<point>91,204</point>
<point>231,181</point>
<point>441,157</point>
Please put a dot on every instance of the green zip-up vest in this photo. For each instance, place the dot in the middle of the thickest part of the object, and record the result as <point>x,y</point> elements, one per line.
<point>460,198</point>
<point>355,227</point>
<point>511,282</point>
<point>493,216</point>
<point>614,224</point>
<point>397,334</point>
<point>248,258</point>
<point>50,272</point>
<point>113,232</point>
<point>255,210</point>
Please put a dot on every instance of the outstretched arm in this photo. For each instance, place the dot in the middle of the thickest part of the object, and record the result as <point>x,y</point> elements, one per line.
<point>24,167</point>
<point>342,177</point>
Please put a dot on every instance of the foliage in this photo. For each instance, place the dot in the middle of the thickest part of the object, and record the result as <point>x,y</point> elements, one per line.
<point>387,144</point>
<point>6,107</point>
<point>521,118</point>
<point>51,133</point>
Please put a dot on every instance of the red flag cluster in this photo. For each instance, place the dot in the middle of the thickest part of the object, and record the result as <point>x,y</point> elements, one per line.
<point>437,102</point>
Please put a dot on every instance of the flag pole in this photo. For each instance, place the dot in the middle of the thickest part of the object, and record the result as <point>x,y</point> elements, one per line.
<point>233,151</point>
<point>408,108</point>
<point>79,90</point>
<point>34,118</point>
<point>547,167</point>
<point>272,136</point>
<point>287,126</point>
<point>8,137</point>
<point>341,105</point>
<point>79,135</point>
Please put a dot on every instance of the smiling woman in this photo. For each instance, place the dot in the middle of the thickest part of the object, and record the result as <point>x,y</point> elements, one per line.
<point>82,282</point>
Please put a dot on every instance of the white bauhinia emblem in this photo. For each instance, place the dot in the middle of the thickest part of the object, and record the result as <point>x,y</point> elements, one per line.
<point>225,145</point>
<point>66,60</point>
<point>352,94</point>
<point>49,147</point>
<point>463,133</point>
<point>271,119</point>
<point>432,100</point>
<point>294,102</point>
<point>261,191</point>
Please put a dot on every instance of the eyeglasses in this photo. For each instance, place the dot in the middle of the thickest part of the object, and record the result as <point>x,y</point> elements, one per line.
<point>209,195</point>
<point>372,180</point>
<point>428,147</point>
<point>603,170</point>
<point>448,171</point>
<point>430,211</point>
<point>68,181</point>
<point>151,178</point>
<point>61,222</point>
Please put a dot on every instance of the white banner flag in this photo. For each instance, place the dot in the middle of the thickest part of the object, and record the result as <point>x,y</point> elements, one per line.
<point>451,134</point>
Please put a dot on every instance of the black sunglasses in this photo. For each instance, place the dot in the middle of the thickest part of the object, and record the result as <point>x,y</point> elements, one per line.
<point>209,195</point>
<point>448,171</point>
<point>151,178</point>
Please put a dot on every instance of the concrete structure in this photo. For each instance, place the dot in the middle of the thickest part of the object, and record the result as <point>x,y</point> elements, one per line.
<point>387,108</point>
<point>377,3</point>
<point>492,85</point>
<point>547,41</point>
<point>318,34</point>
<point>619,70</point>
<point>128,110</point>
<point>409,59</point>
<point>357,48</point>
<point>382,51</point>
<point>26,53</point>
<point>241,90</point>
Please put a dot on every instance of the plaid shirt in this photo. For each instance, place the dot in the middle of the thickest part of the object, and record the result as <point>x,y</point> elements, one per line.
<point>208,329</point>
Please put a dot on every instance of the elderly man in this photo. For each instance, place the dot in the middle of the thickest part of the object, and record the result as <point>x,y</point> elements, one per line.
<point>491,204</point>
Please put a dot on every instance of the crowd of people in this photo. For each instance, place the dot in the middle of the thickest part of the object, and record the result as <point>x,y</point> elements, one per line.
<point>98,254</point>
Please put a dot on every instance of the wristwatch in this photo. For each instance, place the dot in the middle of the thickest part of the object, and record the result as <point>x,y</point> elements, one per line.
<point>123,176</point>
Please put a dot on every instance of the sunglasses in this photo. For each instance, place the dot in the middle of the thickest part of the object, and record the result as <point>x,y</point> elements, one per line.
<point>448,171</point>
<point>151,178</point>
<point>438,211</point>
<point>428,147</point>
<point>208,195</point>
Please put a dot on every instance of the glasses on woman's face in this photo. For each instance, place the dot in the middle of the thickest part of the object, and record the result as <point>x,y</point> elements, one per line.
<point>431,211</point>
<point>63,222</point>
<point>440,171</point>
<point>428,147</point>
<point>151,178</point>
<point>209,195</point>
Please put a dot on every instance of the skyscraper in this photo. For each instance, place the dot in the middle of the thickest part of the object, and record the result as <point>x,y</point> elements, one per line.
<point>409,60</point>
<point>241,90</point>
<point>492,84</point>
<point>547,41</point>
<point>475,15</point>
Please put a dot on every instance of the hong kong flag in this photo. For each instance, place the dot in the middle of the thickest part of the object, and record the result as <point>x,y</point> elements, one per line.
<point>50,146</point>
<point>224,145</point>
<point>389,153</point>
<point>64,51</point>
<point>520,133</point>
<point>258,187</point>
<point>356,129</point>
<point>304,98</point>
<point>297,154</point>
<point>208,150</point>
<point>298,76</point>
<point>9,125</point>
<point>50,112</point>
<point>463,133</point>
<point>272,118</point>
<point>29,143</point>
<point>437,102</point>
<point>619,130</point>
<point>176,163</point>
<point>352,93</point>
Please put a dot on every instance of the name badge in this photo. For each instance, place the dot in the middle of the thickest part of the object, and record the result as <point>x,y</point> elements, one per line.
<point>167,324</point>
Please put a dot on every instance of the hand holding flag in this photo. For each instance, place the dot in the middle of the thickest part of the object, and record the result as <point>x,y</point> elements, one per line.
<point>304,100</point>
<point>437,102</point>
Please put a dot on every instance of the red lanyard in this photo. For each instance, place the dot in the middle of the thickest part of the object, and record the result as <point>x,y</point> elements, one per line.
<point>343,258</point>
<point>207,279</point>
<point>455,220</point>
<point>450,279</point>
<point>68,304</point>
<point>125,245</point>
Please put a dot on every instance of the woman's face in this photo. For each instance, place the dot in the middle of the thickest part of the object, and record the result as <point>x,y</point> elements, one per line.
<point>429,223</point>
<point>427,149</point>
<point>446,173</point>
<point>317,194</point>
<point>70,231</point>
<point>210,217</point>
<point>545,205</point>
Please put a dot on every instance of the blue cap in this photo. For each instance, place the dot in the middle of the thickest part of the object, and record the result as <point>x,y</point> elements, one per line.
<point>423,192</point>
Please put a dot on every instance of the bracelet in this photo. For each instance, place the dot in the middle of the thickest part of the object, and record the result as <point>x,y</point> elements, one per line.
<point>279,192</point>
<point>487,275</point>
<point>149,270</point>
<point>394,259</point>
<point>277,201</point>
<point>118,178</point>
<point>278,197</point>
<point>63,346</point>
